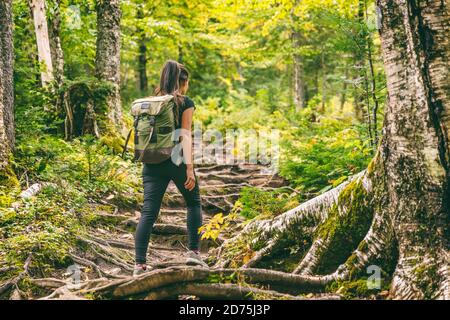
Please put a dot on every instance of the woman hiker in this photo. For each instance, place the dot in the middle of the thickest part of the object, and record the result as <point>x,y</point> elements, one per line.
<point>174,81</point>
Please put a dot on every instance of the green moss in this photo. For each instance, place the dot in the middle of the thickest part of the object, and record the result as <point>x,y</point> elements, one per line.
<point>357,289</point>
<point>8,178</point>
<point>5,200</point>
<point>347,224</point>
<point>113,142</point>
<point>427,276</point>
<point>220,278</point>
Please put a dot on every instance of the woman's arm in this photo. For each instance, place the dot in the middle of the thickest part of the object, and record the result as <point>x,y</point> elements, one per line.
<point>186,142</point>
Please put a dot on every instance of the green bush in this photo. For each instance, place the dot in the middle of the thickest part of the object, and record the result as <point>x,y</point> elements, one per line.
<point>319,155</point>
<point>255,202</point>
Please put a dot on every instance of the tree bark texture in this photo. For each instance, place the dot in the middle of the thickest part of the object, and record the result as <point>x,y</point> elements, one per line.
<point>55,43</point>
<point>42,40</point>
<point>6,63</point>
<point>6,93</point>
<point>108,56</point>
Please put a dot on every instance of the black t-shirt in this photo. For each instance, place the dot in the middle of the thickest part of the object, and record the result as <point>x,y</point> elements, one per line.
<point>187,104</point>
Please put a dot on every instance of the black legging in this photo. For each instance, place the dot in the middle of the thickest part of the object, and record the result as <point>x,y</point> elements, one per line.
<point>156,177</point>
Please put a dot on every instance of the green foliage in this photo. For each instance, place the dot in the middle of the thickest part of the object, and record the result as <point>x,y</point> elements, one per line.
<point>345,231</point>
<point>44,226</point>
<point>47,225</point>
<point>85,163</point>
<point>255,202</point>
<point>320,155</point>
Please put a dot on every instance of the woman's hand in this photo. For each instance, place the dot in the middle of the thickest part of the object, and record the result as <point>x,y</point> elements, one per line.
<point>190,181</point>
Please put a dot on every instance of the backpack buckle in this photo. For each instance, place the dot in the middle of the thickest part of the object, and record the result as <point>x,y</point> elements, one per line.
<point>152,121</point>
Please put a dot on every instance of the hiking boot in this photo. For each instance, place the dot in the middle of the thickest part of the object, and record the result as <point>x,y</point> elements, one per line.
<point>138,270</point>
<point>194,258</point>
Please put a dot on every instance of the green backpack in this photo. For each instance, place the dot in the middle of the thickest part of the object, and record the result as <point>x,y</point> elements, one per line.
<point>154,125</point>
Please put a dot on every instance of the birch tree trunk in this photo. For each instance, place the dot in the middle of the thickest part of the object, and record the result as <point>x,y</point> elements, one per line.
<point>297,74</point>
<point>6,64</point>
<point>108,58</point>
<point>415,148</point>
<point>7,176</point>
<point>4,141</point>
<point>42,39</point>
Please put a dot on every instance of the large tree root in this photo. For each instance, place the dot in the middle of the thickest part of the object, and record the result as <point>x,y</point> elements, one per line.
<point>172,276</point>
<point>312,258</point>
<point>225,292</point>
<point>303,217</point>
<point>352,227</point>
<point>107,254</point>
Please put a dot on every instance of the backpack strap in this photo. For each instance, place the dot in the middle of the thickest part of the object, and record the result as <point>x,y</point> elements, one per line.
<point>126,144</point>
<point>153,137</point>
<point>135,124</point>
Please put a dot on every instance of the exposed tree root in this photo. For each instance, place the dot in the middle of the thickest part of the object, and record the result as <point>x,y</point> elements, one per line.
<point>48,283</point>
<point>107,254</point>
<point>304,216</point>
<point>35,189</point>
<point>63,293</point>
<point>260,254</point>
<point>218,291</point>
<point>87,263</point>
<point>175,275</point>
<point>312,258</point>
<point>14,281</point>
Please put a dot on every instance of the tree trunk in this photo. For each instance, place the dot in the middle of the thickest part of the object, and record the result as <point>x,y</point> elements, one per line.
<point>4,141</point>
<point>395,215</point>
<point>415,148</point>
<point>344,91</point>
<point>142,57</point>
<point>56,50</point>
<point>299,86</point>
<point>324,82</point>
<point>6,63</point>
<point>42,39</point>
<point>108,60</point>
<point>297,74</point>
<point>7,176</point>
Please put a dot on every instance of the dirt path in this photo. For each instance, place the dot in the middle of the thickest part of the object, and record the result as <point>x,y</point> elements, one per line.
<point>108,249</point>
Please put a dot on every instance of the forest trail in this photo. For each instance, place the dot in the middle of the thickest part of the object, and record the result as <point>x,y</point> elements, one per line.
<point>108,250</point>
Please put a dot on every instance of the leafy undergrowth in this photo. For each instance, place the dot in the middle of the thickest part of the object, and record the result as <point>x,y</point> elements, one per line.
<point>79,176</point>
<point>320,155</point>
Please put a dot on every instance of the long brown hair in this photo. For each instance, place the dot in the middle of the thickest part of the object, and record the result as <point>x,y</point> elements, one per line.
<point>172,75</point>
